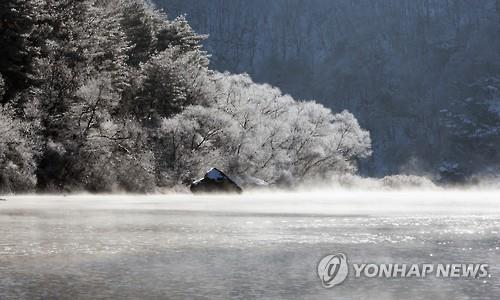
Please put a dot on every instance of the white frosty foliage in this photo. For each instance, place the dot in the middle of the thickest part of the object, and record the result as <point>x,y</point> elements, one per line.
<point>254,130</point>
<point>17,161</point>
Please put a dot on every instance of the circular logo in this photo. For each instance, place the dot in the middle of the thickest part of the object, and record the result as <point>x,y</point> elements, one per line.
<point>333,270</point>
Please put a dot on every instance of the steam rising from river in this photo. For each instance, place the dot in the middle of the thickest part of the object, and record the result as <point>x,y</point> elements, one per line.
<point>318,201</point>
<point>254,245</point>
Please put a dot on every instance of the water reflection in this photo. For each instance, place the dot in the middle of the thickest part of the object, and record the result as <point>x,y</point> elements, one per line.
<point>126,247</point>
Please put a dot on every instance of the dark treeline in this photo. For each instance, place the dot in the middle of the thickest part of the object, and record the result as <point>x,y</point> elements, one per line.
<point>112,95</point>
<point>422,76</point>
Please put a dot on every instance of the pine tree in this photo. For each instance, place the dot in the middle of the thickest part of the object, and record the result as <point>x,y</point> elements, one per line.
<point>169,82</point>
<point>141,24</point>
<point>16,22</point>
<point>179,33</point>
<point>81,72</point>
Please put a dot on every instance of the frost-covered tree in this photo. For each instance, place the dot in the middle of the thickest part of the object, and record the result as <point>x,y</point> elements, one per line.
<point>253,130</point>
<point>141,24</point>
<point>393,64</point>
<point>173,66</point>
<point>149,31</point>
<point>193,141</point>
<point>118,97</point>
<point>109,147</point>
<point>169,82</point>
<point>283,139</point>
<point>82,74</point>
<point>178,33</point>
<point>106,44</point>
<point>17,161</point>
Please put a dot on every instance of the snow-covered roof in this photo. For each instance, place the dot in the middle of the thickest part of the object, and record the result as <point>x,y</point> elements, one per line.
<point>215,174</point>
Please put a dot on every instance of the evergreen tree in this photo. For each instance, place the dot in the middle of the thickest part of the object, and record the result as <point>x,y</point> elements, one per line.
<point>169,82</point>
<point>82,73</point>
<point>141,24</point>
<point>16,22</point>
<point>114,96</point>
<point>180,33</point>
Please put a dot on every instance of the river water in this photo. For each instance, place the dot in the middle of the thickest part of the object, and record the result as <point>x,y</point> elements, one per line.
<point>255,246</point>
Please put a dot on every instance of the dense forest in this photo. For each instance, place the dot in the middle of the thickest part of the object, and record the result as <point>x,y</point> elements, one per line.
<point>422,76</point>
<point>111,95</point>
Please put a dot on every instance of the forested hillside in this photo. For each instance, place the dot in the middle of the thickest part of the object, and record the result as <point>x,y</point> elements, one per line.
<point>112,95</point>
<point>422,76</point>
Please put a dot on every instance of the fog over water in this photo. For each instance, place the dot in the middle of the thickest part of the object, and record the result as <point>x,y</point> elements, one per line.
<point>257,245</point>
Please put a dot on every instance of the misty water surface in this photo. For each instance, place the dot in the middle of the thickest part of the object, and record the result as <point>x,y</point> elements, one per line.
<point>263,246</point>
